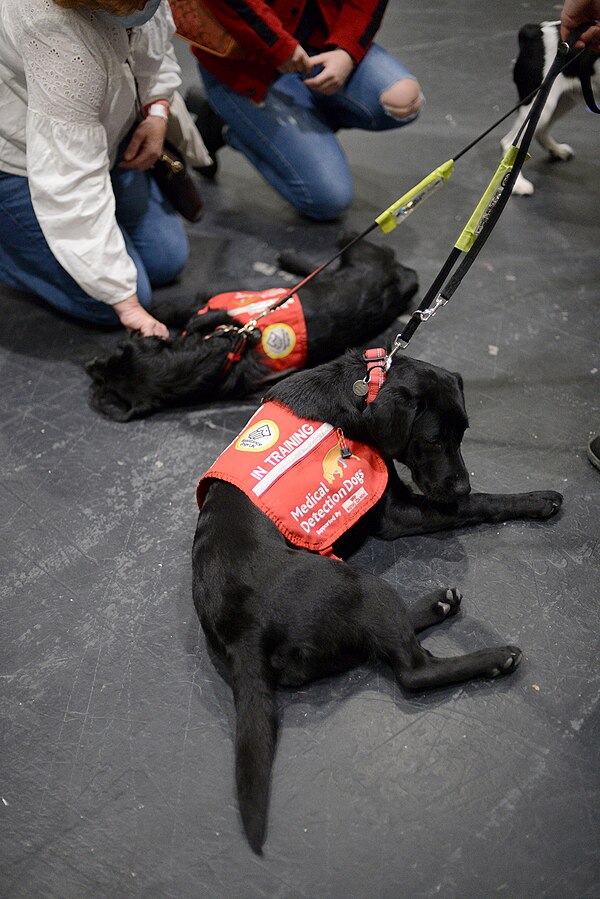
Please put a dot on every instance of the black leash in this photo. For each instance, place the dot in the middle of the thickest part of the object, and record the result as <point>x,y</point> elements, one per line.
<point>476,232</point>
<point>489,209</point>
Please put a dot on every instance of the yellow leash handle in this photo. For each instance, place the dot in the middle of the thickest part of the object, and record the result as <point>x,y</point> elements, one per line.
<point>488,201</point>
<point>407,203</point>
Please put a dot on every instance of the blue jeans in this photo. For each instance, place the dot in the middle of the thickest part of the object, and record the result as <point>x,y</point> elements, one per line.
<point>154,236</point>
<point>290,136</point>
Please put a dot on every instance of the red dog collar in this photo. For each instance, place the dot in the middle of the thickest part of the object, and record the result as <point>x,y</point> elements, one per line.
<point>376,371</point>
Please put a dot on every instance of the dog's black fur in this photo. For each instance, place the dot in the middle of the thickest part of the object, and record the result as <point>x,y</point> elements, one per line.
<point>342,308</point>
<point>537,51</point>
<point>280,615</point>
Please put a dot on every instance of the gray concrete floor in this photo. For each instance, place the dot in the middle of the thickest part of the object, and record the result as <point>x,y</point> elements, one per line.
<point>116,762</point>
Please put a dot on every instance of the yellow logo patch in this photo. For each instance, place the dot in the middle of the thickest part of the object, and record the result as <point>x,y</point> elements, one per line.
<point>278,341</point>
<point>258,437</point>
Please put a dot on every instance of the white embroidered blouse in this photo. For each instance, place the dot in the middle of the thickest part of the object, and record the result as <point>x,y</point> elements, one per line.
<point>67,98</point>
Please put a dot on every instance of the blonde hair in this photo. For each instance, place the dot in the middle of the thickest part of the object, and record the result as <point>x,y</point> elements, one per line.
<point>117,7</point>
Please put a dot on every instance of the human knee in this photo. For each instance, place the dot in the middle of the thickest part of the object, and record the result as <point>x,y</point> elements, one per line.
<point>327,203</point>
<point>403,99</point>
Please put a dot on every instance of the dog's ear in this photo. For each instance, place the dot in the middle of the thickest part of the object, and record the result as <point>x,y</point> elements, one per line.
<point>460,381</point>
<point>389,420</point>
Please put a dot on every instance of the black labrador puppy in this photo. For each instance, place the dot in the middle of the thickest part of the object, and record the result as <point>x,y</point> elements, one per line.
<point>279,615</point>
<point>343,308</point>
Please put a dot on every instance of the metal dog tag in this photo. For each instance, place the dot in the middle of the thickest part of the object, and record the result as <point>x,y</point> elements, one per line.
<point>360,388</point>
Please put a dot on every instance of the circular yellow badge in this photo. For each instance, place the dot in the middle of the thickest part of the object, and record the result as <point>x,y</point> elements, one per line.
<point>258,437</point>
<point>278,341</point>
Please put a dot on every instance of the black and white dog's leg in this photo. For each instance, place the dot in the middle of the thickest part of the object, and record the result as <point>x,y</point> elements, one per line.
<point>522,187</point>
<point>561,99</point>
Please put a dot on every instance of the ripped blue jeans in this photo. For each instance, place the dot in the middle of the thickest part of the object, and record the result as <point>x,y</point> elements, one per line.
<point>290,136</point>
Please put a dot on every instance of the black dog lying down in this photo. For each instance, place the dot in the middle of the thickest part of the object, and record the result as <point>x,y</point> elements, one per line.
<point>281,615</point>
<point>343,308</point>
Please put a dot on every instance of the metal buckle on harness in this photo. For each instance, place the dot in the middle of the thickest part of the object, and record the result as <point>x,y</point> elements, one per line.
<point>220,329</point>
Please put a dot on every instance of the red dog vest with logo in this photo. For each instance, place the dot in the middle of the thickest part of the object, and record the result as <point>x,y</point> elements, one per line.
<point>294,470</point>
<point>283,343</point>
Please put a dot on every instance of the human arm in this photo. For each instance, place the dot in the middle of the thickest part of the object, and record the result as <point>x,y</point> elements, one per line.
<point>157,76</point>
<point>68,154</point>
<point>579,12</point>
<point>350,34</point>
<point>134,317</point>
<point>354,26</point>
<point>336,67</point>
<point>257,29</point>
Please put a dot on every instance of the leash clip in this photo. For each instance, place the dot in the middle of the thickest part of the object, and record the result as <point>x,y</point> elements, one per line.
<point>425,314</point>
<point>248,327</point>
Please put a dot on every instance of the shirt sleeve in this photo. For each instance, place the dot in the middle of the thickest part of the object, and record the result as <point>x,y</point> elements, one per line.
<point>66,70</point>
<point>255,27</point>
<point>153,59</point>
<point>356,26</point>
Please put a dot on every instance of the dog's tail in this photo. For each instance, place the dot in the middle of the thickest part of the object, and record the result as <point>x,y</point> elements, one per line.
<point>255,741</point>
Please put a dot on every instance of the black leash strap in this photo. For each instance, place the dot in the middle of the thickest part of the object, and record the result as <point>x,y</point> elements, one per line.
<point>488,211</point>
<point>585,76</point>
<point>500,189</point>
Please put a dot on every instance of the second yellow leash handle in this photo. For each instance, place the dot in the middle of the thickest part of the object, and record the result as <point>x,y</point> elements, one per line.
<point>402,208</point>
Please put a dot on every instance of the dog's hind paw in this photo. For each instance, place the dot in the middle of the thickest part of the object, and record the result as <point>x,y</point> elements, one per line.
<point>449,604</point>
<point>506,665</point>
<point>434,608</point>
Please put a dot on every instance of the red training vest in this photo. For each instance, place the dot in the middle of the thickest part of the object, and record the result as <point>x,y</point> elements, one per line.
<point>292,469</point>
<point>284,343</point>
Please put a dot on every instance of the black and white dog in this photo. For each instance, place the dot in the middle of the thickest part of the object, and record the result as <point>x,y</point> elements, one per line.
<point>537,51</point>
<point>279,614</point>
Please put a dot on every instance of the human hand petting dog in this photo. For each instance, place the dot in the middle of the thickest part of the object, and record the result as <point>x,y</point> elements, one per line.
<point>578,12</point>
<point>146,144</point>
<point>337,66</point>
<point>134,317</point>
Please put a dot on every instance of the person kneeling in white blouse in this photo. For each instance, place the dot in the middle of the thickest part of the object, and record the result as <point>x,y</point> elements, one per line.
<point>82,223</point>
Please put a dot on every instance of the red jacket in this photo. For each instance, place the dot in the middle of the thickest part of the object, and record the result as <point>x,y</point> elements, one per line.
<point>265,33</point>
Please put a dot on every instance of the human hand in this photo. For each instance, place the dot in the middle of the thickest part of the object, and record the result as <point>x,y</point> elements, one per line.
<point>146,144</point>
<point>134,317</point>
<point>337,66</point>
<point>578,12</point>
<point>299,61</point>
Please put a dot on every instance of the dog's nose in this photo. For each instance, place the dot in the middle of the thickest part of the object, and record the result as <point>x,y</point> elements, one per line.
<point>461,487</point>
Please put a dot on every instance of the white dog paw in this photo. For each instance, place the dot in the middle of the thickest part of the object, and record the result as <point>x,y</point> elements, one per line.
<point>523,187</point>
<point>562,151</point>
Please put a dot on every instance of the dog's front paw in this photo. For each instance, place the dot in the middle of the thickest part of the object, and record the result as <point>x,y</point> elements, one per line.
<point>522,187</point>
<point>562,152</point>
<point>544,503</point>
<point>508,658</point>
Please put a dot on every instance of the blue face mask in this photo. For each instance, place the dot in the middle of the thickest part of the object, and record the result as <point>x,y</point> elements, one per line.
<point>135,19</point>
